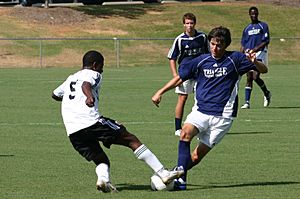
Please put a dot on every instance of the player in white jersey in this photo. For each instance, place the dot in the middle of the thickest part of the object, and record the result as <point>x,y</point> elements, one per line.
<point>86,126</point>
<point>256,37</point>
<point>187,45</point>
<point>216,101</point>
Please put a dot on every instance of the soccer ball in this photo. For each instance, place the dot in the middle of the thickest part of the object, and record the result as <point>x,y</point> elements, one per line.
<point>170,186</point>
<point>157,184</point>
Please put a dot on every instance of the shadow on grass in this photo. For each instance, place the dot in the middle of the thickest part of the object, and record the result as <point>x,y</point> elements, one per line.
<point>193,186</point>
<point>130,12</point>
<point>284,107</point>
<point>123,187</point>
<point>132,187</point>
<point>6,155</point>
<point>249,133</point>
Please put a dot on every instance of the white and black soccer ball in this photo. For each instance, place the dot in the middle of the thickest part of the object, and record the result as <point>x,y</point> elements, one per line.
<point>157,184</point>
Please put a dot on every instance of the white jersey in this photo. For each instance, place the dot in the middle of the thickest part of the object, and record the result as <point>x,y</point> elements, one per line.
<point>76,114</point>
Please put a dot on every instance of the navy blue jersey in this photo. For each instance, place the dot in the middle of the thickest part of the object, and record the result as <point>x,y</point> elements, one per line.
<point>255,34</point>
<point>186,46</point>
<point>217,81</point>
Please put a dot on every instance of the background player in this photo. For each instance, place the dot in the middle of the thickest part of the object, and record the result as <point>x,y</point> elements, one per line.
<point>188,44</point>
<point>86,126</point>
<point>216,102</point>
<point>256,37</point>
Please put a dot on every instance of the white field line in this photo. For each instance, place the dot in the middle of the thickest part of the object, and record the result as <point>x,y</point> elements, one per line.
<point>132,122</point>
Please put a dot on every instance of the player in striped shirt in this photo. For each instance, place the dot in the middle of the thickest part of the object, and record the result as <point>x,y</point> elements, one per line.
<point>256,37</point>
<point>189,44</point>
<point>216,102</point>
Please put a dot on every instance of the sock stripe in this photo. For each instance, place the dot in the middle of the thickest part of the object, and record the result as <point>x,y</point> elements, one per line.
<point>140,150</point>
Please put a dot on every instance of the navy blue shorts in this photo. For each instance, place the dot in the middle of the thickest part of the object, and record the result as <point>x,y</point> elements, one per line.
<point>86,141</point>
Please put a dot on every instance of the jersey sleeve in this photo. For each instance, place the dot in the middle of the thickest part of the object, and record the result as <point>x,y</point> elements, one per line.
<point>244,36</point>
<point>244,64</point>
<point>60,90</point>
<point>174,50</point>
<point>266,34</point>
<point>187,69</point>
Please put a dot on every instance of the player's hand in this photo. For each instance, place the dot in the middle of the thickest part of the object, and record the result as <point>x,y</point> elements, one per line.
<point>90,101</point>
<point>251,55</point>
<point>156,99</point>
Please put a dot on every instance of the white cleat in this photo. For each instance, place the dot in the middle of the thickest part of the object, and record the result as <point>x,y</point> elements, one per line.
<point>167,176</point>
<point>267,100</point>
<point>105,187</point>
<point>177,132</point>
<point>246,106</point>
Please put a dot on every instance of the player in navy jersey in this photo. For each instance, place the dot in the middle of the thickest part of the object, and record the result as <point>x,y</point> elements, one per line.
<point>187,45</point>
<point>86,126</point>
<point>216,102</point>
<point>256,37</point>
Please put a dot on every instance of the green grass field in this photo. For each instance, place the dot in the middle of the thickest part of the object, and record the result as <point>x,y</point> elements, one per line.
<point>259,158</point>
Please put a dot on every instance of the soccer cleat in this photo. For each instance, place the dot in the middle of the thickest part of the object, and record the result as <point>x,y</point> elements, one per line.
<point>177,132</point>
<point>267,99</point>
<point>246,106</point>
<point>167,176</point>
<point>179,185</point>
<point>105,187</point>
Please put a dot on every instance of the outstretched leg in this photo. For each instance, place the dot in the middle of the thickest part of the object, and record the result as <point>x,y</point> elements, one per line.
<point>143,153</point>
<point>184,155</point>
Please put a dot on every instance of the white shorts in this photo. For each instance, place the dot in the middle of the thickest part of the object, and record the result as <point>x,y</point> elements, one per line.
<point>187,87</point>
<point>262,56</point>
<point>211,128</point>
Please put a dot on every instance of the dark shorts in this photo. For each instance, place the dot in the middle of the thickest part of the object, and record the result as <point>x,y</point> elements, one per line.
<point>86,141</point>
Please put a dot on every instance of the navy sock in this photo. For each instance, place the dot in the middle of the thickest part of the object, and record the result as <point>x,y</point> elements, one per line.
<point>248,91</point>
<point>184,156</point>
<point>178,122</point>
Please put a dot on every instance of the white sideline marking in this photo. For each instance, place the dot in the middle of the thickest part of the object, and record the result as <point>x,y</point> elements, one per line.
<point>129,122</point>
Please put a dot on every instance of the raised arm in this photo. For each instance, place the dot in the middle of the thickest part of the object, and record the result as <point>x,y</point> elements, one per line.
<point>168,86</point>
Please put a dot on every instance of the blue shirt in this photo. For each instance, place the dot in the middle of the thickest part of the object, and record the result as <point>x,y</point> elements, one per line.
<point>255,34</point>
<point>185,46</point>
<point>217,81</point>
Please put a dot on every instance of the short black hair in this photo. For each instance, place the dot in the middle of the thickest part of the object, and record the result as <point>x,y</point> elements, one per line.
<point>91,57</point>
<point>222,33</point>
<point>189,16</point>
<point>253,8</point>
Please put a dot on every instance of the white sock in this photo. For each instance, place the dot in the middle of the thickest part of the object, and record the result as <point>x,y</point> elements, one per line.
<point>102,171</point>
<point>143,153</point>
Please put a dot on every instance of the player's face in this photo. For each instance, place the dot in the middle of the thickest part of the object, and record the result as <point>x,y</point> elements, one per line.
<point>217,48</point>
<point>189,26</point>
<point>253,15</point>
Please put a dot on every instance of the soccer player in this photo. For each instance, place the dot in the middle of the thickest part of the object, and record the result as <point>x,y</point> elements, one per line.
<point>85,126</point>
<point>188,44</point>
<point>216,101</point>
<point>256,37</point>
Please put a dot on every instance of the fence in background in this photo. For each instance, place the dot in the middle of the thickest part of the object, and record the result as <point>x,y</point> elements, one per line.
<point>68,52</point>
